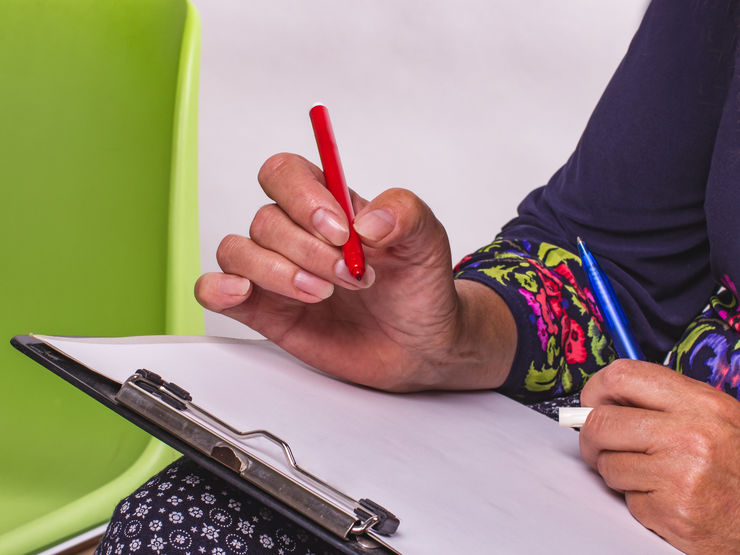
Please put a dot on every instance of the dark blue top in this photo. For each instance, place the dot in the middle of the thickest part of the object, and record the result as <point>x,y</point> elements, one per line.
<point>653,183</point>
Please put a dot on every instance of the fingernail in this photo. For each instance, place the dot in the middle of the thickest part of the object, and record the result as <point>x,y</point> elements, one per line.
<point>233,285</point>
<point>342,272</point>
<point>309,283</point>
<point>330,227</point>
<point>375,225</point>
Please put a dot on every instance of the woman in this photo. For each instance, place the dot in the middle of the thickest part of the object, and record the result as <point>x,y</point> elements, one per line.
<point>652,187</point>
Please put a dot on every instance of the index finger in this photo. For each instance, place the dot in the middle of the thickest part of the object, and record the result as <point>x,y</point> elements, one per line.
<point>635,383</point>
<point>617,428</point>
<point>298,187</point>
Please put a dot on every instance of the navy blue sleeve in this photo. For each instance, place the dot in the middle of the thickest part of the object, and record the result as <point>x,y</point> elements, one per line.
<point>634,188</point>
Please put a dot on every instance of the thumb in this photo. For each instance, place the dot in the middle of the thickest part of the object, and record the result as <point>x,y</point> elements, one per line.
<point>398,218</point>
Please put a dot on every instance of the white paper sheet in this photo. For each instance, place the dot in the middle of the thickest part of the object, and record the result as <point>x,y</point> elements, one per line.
<point>465,472</point>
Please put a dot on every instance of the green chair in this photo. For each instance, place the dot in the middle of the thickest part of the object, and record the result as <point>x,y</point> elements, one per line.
<point>98,223</point>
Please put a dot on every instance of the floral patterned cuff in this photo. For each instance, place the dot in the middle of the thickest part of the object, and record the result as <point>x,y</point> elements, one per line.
<point>561,338</point>
<point>709,349</point>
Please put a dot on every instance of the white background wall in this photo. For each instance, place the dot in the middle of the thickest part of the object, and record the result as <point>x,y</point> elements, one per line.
<point>470,103</point>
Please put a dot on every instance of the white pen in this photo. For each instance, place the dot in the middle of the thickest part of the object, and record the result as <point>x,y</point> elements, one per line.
<point>573,417</point>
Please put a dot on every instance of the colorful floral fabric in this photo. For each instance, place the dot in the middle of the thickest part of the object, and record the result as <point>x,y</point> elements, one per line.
<point>710,347</point>
<point>560,328</point>
<point>548,292</point>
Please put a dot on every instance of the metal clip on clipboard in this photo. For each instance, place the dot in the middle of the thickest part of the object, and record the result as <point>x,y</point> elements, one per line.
<point>171,407</point>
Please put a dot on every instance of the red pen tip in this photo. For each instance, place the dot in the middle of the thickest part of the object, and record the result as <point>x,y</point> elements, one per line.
<point>357,272</point>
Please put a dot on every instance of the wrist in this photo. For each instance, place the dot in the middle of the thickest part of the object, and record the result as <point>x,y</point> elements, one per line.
<point>483,343</point>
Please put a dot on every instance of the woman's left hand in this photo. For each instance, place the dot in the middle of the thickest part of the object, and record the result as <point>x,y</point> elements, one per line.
<point>672,445</point>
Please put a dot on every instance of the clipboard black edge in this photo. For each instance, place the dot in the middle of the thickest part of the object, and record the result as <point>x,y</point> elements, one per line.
<point>104,390</point>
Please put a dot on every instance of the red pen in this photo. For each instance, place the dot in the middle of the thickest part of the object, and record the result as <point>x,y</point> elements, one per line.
<point>337,185</point>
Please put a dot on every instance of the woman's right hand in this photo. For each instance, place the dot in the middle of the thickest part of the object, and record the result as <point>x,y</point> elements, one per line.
<point>406,326</point>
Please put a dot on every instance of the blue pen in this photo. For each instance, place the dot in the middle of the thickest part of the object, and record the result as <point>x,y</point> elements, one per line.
<point>616,322</point>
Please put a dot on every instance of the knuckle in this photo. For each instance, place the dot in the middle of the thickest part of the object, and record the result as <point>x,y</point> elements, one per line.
<point>273,166</point>
<point>586,393</point>
<point>675,517</point>
<point>408,201</point>
<point>643,508</point>
<point>695,473</point>
<point>415,217</point>
<point>263,220</point>
<point>227,249</point>
<point>638,509</point>
<point>688,485</point>
<point>602,467</point>
<point>724,406</point>
<point>615,374</point>
<point>701,444</point>
<point>273,271</point>
<point>686,521</point>
<point>596,422</point>
<point>403,194</point>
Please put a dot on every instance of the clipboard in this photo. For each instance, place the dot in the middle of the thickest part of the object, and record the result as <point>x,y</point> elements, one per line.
<point>465,472</point>
<point>170,414</point>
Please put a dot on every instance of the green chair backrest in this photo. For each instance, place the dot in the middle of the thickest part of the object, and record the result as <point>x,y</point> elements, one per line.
<point>98,223</point>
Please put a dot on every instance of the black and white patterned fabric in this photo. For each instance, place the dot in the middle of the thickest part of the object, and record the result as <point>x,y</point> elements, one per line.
<point>187,510</point>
